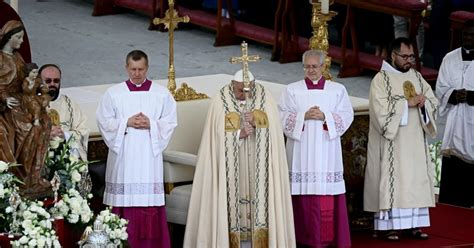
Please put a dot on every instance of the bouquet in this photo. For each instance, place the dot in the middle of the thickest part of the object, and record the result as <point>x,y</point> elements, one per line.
<point>8,185</point>
<point>67,165</point>
<point>35,226</point>
<point>73,207</point>
<point>114,226</point>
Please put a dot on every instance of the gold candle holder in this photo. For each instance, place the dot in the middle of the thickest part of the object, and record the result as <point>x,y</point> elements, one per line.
<point>319,40</point>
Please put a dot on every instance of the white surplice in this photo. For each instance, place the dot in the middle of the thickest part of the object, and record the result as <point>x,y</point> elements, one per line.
<point>134,174</point>
<point>458,137</point>
<point>315,155</point>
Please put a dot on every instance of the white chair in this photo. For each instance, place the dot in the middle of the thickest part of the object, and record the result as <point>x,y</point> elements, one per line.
<point>180,157</point>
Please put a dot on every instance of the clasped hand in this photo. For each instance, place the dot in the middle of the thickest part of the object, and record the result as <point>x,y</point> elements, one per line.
<point>461,96</point>
<point>246,130</point>
<point>248,126</point>
<point>417,101</point>
<point>139,121</point>
<point>314,113</point>
<point>56,131</point>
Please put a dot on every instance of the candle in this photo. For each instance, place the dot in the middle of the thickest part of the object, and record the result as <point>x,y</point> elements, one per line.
<point>325,6</point>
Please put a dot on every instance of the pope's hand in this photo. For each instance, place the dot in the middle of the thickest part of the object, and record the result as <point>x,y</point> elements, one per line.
<point>248,117</point>
<point>246,131</point>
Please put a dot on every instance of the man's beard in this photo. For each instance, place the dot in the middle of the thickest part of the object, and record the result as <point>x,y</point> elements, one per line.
<point>53,93</point>
<point>402,68</point>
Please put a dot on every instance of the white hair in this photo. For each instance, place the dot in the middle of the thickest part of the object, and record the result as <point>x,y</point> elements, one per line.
<point>315,53</point>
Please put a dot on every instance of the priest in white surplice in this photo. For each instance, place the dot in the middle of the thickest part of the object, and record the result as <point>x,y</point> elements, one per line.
<point>399,174</point>
<point>136,119</point>
<point>69,121</point>
<point>241,194</point>
<point>455,91</point>
<point>315,113</point>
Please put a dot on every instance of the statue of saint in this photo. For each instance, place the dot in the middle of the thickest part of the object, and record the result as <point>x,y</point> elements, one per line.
<point>23,139</point>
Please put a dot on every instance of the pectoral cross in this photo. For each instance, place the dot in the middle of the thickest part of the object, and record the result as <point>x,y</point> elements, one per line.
<point>245,59</point>
<point>171,22</point>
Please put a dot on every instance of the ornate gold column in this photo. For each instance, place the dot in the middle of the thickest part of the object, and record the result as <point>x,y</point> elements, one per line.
<point>319,40</point>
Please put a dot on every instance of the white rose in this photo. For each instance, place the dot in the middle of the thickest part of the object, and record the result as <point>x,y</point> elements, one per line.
<point>8,210</point>
<point>124,236</point>
<point>86,217</point>
<point>113,235</point>
<point>75,176</point>
<point>49,242</point>
<point>54,143</point>
<point>23,240</point>
<point>73,218</point>
<point>3,166</point>
<point>41,242</point>
<point>56,243</point>
<point>27,224</point>
<point>32,243</point>
<point>75,204</point>
<point>123,222</point>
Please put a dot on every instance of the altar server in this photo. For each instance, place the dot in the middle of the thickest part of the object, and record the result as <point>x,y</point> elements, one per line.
<point>315,113</point>
<point>136,119</point>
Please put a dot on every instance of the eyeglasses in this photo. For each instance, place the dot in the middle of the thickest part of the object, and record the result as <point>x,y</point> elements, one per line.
<point>406,56</point>
<point>307,67</point>
<point>54,80</point>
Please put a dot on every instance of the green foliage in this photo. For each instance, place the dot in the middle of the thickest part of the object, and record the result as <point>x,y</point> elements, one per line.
<point>435,154</point>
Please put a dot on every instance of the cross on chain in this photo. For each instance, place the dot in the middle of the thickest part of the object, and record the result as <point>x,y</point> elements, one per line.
<point>245,59</point>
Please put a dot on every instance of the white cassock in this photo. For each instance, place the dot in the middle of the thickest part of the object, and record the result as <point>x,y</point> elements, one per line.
<point>134,174</point>
<point>315,155</point>
<point>458,137</point>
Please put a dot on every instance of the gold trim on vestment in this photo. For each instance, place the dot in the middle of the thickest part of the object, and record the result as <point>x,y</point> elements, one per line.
<point>232,122</point>
<point>260,118</point>
<point>234,240</point>
<point>260,238</point>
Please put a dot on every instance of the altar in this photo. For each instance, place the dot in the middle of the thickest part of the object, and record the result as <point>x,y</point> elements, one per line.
<point>185,142</point>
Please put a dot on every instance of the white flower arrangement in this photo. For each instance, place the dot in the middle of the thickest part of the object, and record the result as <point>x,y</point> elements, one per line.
<point>114,226</point>
<point>8,184</point>
<point>73,207</point>
<point>68,165</point>
<point>35,226</point>
<point>435,154</point>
